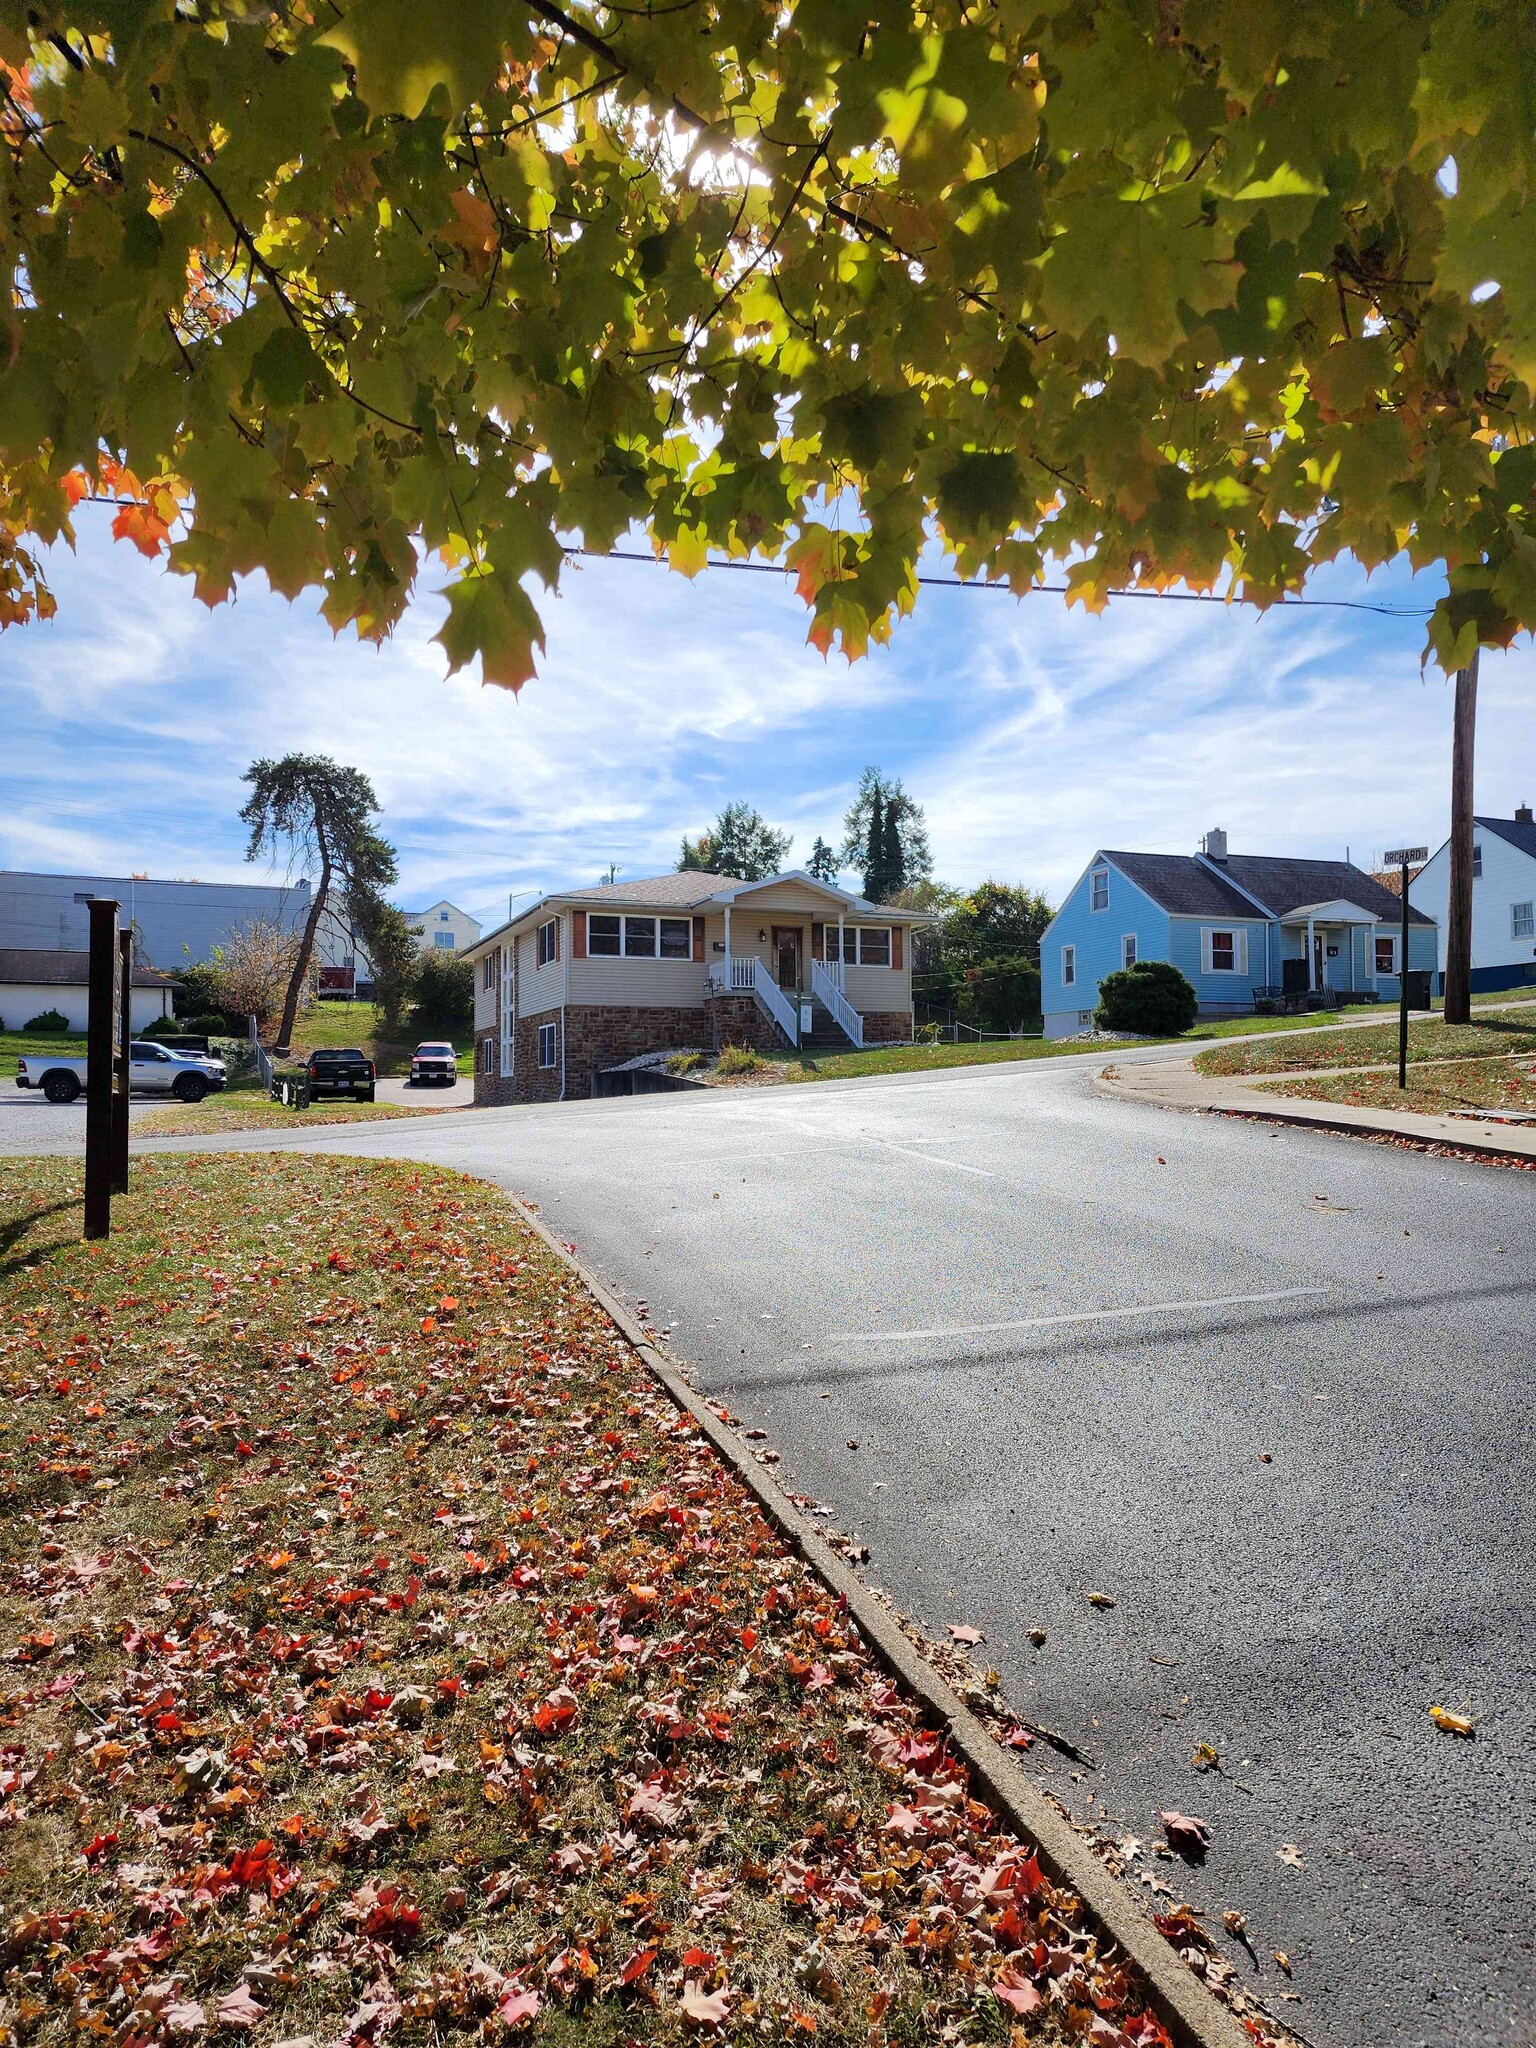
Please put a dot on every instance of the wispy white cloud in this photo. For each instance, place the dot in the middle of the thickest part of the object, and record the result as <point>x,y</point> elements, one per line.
<point>1032,734</point>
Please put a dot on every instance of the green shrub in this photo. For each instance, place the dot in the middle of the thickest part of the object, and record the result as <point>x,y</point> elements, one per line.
<point>684,1062</point>
<point>51,1021</point>
<point>1152,999</point>
<point>444,1005</point>
<point>1001,994</point>
<point>739,1059</point>
<point>928,1034</point>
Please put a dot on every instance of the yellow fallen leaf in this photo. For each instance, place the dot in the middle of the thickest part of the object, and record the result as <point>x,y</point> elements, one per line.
<point>1453,1724</point>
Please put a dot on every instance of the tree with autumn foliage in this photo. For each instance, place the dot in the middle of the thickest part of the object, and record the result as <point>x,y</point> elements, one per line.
<point>1163,289</point>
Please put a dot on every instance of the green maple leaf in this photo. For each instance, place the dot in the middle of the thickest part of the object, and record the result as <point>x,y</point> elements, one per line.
<point>402,51</point>
<point>490,615</point>
<point>1136,262</point>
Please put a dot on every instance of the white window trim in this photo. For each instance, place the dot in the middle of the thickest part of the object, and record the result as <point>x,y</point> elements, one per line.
<point>853,944</point>
<point>1095,876</point>
<point>1069,967</point>
<point>550,924</point>
<point>624,920</point>
<point>1393,941</point>
<point>508,1021</point>
<point>552,1041</point>
<point>1239,935</point>
<point>488,974</point>
<point>1530,932</point>
<point>1128,949</point>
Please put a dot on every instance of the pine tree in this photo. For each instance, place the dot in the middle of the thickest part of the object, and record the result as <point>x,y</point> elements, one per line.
<point>874,849</point>
<point>823,864</point>
<point>893,878</point>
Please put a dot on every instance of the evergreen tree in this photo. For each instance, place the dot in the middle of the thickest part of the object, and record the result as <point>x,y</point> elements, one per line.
<point>741,843</point>
<point>874,849</point>
<point>823,864</point>
<point>871,851</point>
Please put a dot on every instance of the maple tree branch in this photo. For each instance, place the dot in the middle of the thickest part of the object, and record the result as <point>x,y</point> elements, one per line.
<point>238,228</point>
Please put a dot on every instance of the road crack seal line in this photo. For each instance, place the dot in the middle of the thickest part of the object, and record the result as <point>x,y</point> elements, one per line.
<point>1098,1315</point>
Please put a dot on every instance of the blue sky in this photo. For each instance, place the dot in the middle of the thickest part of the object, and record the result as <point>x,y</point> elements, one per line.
<point>1031,734</point>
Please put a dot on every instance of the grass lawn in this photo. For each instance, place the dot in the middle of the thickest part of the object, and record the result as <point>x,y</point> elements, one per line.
<point>40,1044</point>
<point>1426,1041</point>
<point>251,1109</point>
<point>386,1658</point>
<point>1431,1091</point>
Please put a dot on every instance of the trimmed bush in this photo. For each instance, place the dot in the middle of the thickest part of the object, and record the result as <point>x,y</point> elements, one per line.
<point>1152,999</point>
<point>684,1062</point>
<point>51,1021</point>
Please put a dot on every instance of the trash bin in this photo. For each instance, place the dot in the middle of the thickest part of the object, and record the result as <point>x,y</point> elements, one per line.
<point>1418,988</point>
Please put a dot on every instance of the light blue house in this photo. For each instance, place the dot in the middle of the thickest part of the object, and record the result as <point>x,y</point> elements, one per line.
<point>1235,925</point>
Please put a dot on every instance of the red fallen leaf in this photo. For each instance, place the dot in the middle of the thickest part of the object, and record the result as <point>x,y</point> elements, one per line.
<point>906,1822</point>
<point>1016,1992</point>
<point>98,1846</point>
<point>653,1803</point>
<point>699,1959</point>
<point>704,2008</point>
<point>518,2006</point>
<point>1191,1837</point>
<point>239,2009</point>
<point>557,1712</point>
<point>1017,1738</point>
<point>449,1305</point>
<point>749,1639</point>
<point>428,1325</point>
<point>638,1964</point>
<point>964,1633</point>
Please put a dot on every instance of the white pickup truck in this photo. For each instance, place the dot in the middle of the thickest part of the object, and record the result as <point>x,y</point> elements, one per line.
<point>152,1070</point>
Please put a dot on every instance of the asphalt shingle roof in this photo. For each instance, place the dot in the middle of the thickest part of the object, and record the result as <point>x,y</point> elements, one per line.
<point>1186,886</point>
<point>1515,830</point>
<point>64,969</point>
<point>1177,882</point>
<point>682,891</point>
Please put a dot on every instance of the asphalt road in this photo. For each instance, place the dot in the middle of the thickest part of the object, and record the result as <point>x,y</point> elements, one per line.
<point>1271,1391</point>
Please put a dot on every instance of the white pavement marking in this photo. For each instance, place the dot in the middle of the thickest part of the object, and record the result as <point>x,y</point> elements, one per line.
<point>1098,1315</point>
<point>928,1158</point>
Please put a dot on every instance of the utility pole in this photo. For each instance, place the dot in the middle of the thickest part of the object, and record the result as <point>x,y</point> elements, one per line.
<point>1404,857</point>
<point>1458,923</point>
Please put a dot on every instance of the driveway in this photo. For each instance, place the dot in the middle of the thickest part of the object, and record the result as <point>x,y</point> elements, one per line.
<point>1270,1392</point>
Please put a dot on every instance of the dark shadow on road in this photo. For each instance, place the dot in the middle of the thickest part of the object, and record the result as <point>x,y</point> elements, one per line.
<point>890,1357</point>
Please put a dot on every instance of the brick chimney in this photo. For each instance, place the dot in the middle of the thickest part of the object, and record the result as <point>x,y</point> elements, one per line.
<point>1214,844</point>
<point>1523,815</point>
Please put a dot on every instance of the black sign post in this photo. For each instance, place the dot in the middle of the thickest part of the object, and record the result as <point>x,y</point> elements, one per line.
<point>102,1025</point>
<point>124,1054</point>
<point>1404,857</point>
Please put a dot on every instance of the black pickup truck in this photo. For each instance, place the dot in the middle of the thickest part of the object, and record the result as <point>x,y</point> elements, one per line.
<point>341,1070</point>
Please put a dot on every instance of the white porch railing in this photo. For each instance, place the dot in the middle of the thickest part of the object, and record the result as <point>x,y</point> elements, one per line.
<point>826,991</point>
<point>741,966</point>
<point>773,999</point>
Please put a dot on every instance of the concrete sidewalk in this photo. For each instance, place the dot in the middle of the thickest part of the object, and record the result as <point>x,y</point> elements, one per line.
<point>1177,1084</point>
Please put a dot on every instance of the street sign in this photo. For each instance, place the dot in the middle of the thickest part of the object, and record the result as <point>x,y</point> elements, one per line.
<point>1405,856</point>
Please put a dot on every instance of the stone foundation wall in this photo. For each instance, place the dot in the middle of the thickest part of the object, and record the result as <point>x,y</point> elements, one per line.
<point>492,1090</point>
<point>604,1035</point>
<point>882,1027</point>
<point>741,1020</point>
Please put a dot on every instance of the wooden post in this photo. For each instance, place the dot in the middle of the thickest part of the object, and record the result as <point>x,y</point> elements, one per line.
<point>1458,923</point>
<point>100,1073</point>
<point>124,1050</point>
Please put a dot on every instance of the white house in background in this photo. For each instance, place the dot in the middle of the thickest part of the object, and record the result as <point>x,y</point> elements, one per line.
<point>1503,900</point>
<point>35,979</point>
<point>444,928</point>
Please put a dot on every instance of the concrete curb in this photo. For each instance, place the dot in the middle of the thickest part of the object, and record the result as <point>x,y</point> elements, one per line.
<point>1193,2016</point>
<point>1253,1105</point>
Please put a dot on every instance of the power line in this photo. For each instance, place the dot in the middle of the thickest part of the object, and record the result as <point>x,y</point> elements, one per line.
<point>1342,604</point>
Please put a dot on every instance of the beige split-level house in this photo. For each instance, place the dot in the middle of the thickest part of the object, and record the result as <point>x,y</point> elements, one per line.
<point>588,978</point>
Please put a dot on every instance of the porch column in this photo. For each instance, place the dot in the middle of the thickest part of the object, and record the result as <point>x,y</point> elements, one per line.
<point>1311,958</point>
<point>727,945</point>
<point>1370,954</point>
<point>840,955</point>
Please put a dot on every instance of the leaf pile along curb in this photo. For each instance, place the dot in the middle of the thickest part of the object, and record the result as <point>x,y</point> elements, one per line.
<point>387,1657</point>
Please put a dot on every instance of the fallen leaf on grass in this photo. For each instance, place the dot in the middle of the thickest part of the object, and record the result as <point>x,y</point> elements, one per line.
<point>638,1964</point>
<point>518,2006</point>
<point>239,2009</point>
<point>704,2008</point>
<point>1016,1992</point>
<point>1453,1724</point>
<point>1189,1836</point>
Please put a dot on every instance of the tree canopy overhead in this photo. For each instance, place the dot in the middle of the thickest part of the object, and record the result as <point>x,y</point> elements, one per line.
<point>1165,288</point>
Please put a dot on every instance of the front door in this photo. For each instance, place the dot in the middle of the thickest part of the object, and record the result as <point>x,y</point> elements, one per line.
<point>786,955</point>
<point>1319,978</point>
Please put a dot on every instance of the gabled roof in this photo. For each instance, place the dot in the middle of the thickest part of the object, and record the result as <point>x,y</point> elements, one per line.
<point>53,969</point>
<point>1177,882</point>
<point>685,890</point>
<point>1287,885</point>
<point>1515,830</point>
